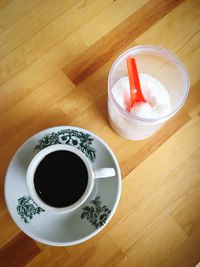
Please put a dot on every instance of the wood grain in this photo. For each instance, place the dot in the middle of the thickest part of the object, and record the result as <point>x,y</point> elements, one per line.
<point>22,9</point>
<point>19,251</point>
<point>109,45</point>
<point>25,28</point>
<point>55,57</point>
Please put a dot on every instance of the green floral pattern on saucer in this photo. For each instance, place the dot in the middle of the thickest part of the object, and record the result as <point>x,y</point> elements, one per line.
<point>80,140</point>
<point>27,208</point>
<point>96,214</point>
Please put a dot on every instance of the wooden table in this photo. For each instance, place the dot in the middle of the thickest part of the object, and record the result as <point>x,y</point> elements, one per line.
<point>55,59</point>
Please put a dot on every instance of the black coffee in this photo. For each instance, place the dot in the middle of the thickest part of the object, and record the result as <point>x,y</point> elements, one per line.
<point>61,178</point>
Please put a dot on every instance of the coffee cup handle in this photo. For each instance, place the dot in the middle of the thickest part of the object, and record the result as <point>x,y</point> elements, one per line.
<point>104,173</point>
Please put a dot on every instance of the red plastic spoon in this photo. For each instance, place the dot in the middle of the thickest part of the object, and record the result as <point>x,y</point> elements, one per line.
<point>135,89</point>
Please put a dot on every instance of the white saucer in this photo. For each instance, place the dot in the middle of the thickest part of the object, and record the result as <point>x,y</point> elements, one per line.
<point>67,228</point>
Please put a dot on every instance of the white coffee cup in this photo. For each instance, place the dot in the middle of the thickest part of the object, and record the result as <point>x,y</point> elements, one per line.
<point>92,175</point>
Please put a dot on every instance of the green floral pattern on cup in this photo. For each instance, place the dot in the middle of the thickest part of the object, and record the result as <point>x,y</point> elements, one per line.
<point>27,208</point>
<point>96,214</point>
<point>80,140</point>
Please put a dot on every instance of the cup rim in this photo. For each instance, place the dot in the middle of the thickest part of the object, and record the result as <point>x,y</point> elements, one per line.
<point>35,162</point>
<point>161,51</point>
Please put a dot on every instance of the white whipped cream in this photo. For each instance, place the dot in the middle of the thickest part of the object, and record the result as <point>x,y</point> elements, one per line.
<point>154,92</point>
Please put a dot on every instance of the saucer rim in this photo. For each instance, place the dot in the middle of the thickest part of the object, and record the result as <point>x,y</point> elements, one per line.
<point>96,231</point>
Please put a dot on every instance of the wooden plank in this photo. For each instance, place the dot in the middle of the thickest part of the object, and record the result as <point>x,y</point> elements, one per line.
<point>193,100</point>
<point>155,248</point>
<point>112,15</point>
<point>40,71</point>
<point>187,214</point>
<point>147,176</point>
<point>109,45</point>
<point>35,103</point>
<point>49,256</point>
<point>97,254</point>
<point>191,59</point>
<point>8,229</point>
<point>143,149</point>
<point>178,20</point>
<point>30,25</point>
<point>48,37</point>
<point>94,254</point>
<point>12,11</point>
<point>187,254</point>
<point>19,251</point>
<point>170,194</point>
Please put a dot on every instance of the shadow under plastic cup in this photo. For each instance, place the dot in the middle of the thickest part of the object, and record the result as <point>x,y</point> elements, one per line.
<point>164,66</point>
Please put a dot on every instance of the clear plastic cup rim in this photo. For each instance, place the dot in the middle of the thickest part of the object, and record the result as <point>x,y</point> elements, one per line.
<point>151,49</point>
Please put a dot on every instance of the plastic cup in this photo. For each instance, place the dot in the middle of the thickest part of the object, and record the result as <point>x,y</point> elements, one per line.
<point>164,66</point>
